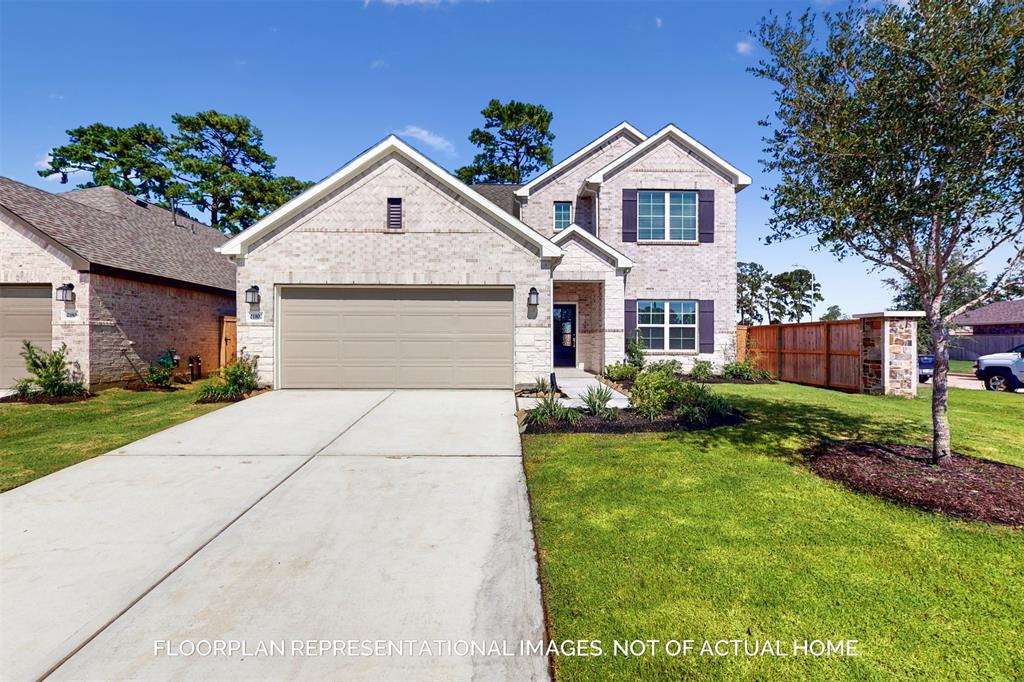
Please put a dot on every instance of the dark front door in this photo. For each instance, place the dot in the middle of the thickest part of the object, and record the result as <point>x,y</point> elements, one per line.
<point>564,330</point>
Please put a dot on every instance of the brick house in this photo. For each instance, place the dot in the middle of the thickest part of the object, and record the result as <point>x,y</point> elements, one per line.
<point>393,273</point>
<point>1002,317</point>
<point>138,280</point>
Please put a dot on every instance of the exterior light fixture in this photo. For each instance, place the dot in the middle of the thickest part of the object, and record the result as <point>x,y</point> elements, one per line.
<point>66,292</point>
<point>533,298</point>
<point>252,295</point>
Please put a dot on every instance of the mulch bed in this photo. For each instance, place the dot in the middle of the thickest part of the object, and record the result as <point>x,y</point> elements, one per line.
<point>628,422</point>
<point>38,399</point>
<point>971,489</point>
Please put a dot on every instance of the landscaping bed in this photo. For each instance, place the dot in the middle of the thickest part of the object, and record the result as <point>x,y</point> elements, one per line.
<point>626,421</point>
<point>45,399</point>
<point>971,489</point>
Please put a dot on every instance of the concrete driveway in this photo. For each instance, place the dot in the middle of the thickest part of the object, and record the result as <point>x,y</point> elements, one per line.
<point>323,523</point>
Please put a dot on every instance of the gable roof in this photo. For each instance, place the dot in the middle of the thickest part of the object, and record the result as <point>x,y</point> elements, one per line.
<point>739,178</point>
<point>123,235</point>
<point>390,145</point>
<point>574,230</point>
<point>622,128</point>
<point>1001,312</point>
<point>502,196</point>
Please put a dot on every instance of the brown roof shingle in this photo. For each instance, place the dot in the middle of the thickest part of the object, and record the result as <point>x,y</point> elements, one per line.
<point>1001,312</point>
<point>502,195</point>
<point>109,228</point>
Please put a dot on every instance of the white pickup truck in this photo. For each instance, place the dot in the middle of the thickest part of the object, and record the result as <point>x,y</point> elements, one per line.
<point>1002,371</point>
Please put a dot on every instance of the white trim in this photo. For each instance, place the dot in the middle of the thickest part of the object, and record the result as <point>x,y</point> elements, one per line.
<point>621,260</point>
<point>667,326</point>
<point>524,191</point>
<point>554,214</point>
<point>391,144</point>
<point>891,313</point>
<point>739,178</point>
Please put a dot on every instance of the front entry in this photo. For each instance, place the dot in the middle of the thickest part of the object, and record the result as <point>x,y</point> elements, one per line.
<point>564,329</point>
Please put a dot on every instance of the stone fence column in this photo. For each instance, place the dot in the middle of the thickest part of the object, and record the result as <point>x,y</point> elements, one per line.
<point>889,352</point>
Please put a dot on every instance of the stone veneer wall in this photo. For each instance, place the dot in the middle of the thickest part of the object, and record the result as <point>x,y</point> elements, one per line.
<point>154,317</point>
<point>889,356</point>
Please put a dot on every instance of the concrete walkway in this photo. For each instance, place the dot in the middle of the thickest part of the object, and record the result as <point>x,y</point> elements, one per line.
<point>575,383</point>
<point>294,516</point>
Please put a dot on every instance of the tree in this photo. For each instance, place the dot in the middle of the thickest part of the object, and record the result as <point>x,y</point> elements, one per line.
<point>832,313</point>
<point>214,162</point>
<point>750,280</point>
<point>515,143</point>
<point>129,159</point>
<point>898,138</point>
<point>799,292</point>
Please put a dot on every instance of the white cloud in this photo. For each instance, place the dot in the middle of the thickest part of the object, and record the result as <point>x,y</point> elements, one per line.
<point>658,22</point>
<point>744,47</point>
<point>433,140</point>
<point>378,64</point>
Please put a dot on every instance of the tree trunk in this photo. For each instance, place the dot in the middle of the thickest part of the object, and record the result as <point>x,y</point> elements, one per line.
<point>940,387</point>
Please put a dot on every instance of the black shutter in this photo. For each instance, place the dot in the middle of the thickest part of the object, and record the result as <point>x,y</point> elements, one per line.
<point>629,323</point>
<point>394,214</point>
<point>706,313</point>
<point>706,215</point>
<point>629,215</point>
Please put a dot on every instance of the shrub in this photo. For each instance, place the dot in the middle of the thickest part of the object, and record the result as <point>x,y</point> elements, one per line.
<point>160,374</point>
<point>739,370</point>
<point>596,401</point>
<point>635,351</point>
<point>542,385</point>
<point>621,371</point>
<point>696,403</point>
<point>701,370</point>
<point>652,393</point>
<point>764,375</point>
<point>551,409</point>
<point>24,388</point>
<point>236,379</point>
<point>49,372</point>
<point>673,367</point>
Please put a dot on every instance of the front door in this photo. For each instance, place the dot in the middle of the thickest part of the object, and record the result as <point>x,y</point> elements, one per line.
<point>564,329</point>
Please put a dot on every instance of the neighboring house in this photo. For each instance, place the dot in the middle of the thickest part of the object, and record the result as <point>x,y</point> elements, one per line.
<point>139,281</point>
<point>1003,317</point>
<point>393,273</point>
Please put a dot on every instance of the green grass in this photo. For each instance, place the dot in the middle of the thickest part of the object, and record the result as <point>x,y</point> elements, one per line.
<point>962,366</point>
<point>36,440</point>
<point>724,534</point>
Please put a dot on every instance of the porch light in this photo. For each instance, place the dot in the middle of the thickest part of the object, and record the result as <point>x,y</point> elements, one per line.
<point>534,297</point>
<point>66,292</point>
<point>252,295</point>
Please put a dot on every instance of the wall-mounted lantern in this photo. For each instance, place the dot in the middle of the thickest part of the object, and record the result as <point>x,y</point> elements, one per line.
<point>252,295</point>
<point>66,293</point>
<point>533,298</point>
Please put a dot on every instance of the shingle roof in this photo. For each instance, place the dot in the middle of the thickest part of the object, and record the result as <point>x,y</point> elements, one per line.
<point>109,228</point>
<point>1002,312</point>
<point>502,195</point>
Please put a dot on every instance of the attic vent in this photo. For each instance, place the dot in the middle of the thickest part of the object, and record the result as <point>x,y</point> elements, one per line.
<point>394,213</point>
<point>140,202</point>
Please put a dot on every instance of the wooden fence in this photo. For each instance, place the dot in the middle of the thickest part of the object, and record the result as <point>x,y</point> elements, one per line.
<point>971,347</point>
<point>826,354</point>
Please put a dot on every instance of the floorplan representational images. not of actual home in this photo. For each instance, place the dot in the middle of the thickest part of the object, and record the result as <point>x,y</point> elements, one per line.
<point>393,273</point>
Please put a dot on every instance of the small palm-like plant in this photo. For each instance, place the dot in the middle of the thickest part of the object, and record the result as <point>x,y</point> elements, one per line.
<point>596,400</point>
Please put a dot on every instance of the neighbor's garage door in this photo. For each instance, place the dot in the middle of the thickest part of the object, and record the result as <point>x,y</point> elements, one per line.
<point>397,337</point>
<point>24,315</point>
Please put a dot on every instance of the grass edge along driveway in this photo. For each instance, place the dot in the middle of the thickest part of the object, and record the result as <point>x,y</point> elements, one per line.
<point>724,534</point>
<point>36,439</point>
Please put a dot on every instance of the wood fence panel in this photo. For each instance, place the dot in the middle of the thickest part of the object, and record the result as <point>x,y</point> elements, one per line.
<point>762,348</point>
<point>228,329</point>
<point>825,354</point>
<point>973,346</point>
<point>844,354</point>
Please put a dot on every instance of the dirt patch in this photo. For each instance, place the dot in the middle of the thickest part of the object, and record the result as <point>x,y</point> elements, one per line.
<point>629,422</point>
<point>971,489</point>
<point>139,386</point>
<point>40,399</point>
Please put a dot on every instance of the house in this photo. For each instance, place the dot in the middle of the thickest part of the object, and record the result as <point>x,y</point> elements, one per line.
<point>393,273</point>
<point>117,279</point>
<point>1002,317</point>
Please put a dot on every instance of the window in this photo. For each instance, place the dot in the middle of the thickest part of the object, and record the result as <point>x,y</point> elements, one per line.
<point>394,214</point>
<point>563,215</point>
<point>676,211</point>
<point>674,321</point>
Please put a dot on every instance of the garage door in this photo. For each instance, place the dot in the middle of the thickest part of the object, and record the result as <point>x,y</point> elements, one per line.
<point>398,337</point>
<point>25,313</point>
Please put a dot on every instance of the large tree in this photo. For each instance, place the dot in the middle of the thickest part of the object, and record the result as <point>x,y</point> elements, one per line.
<point>898,136</point>
<point>758,295</point>
<point>515,143</point>
<point>799,292</point>
<point>213,162</point>
<point>833,312</point>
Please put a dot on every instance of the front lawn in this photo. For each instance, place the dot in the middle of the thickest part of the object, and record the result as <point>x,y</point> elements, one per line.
<point>724,534</point>
<point>40,439</point>
<point>962,366</point>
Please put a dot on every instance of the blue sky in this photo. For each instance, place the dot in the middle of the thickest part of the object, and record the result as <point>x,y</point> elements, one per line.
<point>326,80</point>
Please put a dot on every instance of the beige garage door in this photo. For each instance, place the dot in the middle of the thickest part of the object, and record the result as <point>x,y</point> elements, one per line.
<point>24,314</point>
<point>397,337</point>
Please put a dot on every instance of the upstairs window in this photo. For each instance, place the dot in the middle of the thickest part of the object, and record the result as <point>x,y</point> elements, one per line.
<point>666,216</point>
<point>667,325</point>
<point>394,213</point>
<point>563,215</point>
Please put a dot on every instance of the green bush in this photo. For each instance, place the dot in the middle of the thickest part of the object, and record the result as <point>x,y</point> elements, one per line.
<point>653,392</point>
<point>50,372</point>
<point>160,374</point>
<point>764,375</point>
<point>701,370</point>
<point>541,384</point>
<point>696,403</point>
<point>236,379</point>
<point>621,371</point>
<point>740,370</point>
<point>635,351</point>
<point>24,387</point>
<point>550,409</point>
<point>673,367</point>
<point>596,400</point>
